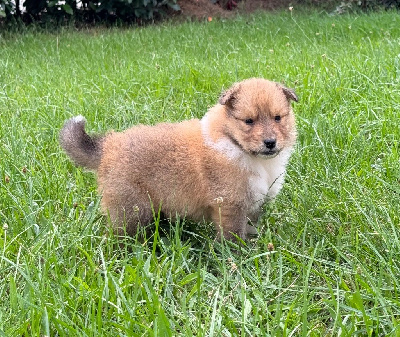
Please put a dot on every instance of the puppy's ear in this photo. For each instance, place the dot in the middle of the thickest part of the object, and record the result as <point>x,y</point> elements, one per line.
<point>229,97</point>
<point>290,94</point>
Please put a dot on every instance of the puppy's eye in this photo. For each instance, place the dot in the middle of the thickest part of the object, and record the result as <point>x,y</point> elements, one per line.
<point>249,121</point>
<point>277,119</point>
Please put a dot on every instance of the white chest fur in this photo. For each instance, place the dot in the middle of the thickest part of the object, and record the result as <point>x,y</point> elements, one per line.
<point>266,176</point>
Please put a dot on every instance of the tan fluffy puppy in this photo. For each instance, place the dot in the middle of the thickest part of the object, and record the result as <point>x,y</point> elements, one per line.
<point>220,168</point>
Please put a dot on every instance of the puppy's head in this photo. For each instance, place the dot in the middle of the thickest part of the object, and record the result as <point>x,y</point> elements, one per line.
<point>259,117</point>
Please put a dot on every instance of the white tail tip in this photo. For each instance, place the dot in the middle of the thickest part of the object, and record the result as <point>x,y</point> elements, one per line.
<point>78,119</point>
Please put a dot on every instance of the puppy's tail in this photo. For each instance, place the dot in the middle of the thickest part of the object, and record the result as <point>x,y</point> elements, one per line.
<point>83,149</point>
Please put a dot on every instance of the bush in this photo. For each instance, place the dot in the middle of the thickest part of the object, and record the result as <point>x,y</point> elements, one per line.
<point>7,8</point>
<point>345,5</point>
<point>86,10</point>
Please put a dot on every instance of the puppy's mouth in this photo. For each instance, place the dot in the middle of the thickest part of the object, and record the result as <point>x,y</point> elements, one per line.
<point>266,154</point>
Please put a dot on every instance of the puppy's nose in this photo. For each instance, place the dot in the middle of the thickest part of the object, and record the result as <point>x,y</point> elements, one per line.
<point>270,143</point>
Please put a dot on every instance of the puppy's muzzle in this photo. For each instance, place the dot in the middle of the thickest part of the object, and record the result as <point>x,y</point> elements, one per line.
<point>270,149</point>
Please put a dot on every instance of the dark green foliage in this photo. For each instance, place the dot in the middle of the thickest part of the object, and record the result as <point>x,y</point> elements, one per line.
<point>374,4</point>
<point>85,10</point>
<point>345,5</point>
<point>7,7</point>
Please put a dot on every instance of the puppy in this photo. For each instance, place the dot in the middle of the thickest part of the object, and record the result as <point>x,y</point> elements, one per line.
<point>221,168</point>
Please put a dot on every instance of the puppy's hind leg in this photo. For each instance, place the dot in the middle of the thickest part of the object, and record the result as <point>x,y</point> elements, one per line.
<point>127,215</point>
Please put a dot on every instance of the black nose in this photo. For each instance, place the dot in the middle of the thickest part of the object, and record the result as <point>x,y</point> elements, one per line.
<point>270,143</point>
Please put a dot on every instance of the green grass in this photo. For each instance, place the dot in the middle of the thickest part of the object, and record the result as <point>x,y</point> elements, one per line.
<point>334,269</point>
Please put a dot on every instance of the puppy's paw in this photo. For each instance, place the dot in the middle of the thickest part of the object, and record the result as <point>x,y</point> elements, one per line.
<point>251,230</point>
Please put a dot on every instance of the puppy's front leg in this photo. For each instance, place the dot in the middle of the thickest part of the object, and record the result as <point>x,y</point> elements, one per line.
<point>251,230</point>
<point>253,223</point>
<point>229,220</point>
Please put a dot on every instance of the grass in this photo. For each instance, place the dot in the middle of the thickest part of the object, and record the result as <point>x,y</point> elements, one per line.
<point>327,258</point>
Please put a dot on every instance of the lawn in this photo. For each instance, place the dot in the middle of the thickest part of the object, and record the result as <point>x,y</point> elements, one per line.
<point>327,259</point>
